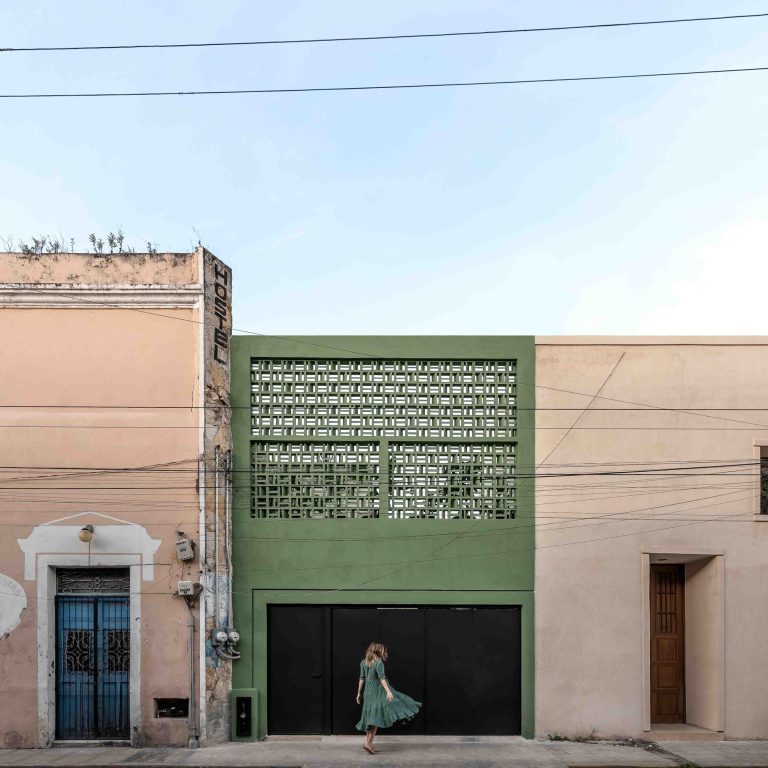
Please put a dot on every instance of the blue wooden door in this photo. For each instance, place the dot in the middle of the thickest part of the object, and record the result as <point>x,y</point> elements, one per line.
<point>92,667</point>
<point>113,666</point>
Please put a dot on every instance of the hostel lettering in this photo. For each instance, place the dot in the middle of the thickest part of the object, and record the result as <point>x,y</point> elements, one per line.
<point>221,312</point>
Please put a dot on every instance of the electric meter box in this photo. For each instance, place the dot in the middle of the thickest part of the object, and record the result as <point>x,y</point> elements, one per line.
<point>186,588</point>
<point>185,549</point>
<point>245,714</point>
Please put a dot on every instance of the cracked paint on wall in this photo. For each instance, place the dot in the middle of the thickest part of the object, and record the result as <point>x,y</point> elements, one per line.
<point>13,604</point>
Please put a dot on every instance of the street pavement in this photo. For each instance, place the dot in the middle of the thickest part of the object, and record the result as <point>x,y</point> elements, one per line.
<point>394,751</point>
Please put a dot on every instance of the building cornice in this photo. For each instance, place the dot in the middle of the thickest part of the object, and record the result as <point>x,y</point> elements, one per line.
<point>79,296</point>
<point>651,341</point>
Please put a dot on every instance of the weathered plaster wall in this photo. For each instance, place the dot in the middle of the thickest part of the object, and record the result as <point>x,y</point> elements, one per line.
<point>61,353</point>
<point>591,638</point>
<point>218,330</point>
<point>104,269</point>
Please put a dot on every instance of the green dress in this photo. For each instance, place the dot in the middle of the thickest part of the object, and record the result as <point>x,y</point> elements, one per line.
<point>376,709</point>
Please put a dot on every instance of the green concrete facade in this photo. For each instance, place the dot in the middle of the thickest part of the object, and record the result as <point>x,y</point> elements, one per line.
<point>380,561</point>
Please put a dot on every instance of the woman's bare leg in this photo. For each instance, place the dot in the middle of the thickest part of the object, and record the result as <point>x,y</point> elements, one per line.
<point>373,733</point>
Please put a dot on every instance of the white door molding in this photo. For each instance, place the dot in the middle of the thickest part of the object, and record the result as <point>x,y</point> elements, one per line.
<point>52,546</point>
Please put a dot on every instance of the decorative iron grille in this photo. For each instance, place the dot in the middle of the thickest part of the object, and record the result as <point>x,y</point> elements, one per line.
<point>118,650</point>
<point>77,650</point>
<point>452,480</point>
<point>92,580</point>
<point>315,480</point>
<point>383,398</point>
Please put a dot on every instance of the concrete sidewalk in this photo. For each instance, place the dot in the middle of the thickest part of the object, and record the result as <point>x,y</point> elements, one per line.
<point>394,751</point>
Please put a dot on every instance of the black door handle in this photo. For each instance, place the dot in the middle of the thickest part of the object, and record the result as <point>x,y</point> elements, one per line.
<point>317,674</point>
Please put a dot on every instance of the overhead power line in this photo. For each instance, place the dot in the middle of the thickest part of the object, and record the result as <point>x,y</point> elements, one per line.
<point>519,408</point>
<point>386,87</point>
<point>620,428</point>
<point>431,559</point>
<point>370,356</point>
<point>655,467</point>
<point>372,38</point>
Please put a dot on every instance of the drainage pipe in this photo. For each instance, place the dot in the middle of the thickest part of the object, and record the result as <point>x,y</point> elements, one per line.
<point>228,535</point>
<point>193,741</point>
<point>217,613</point>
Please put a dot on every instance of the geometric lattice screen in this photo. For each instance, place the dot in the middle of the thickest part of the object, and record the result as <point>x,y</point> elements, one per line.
<point>452,480</point>
<point>300,480</point>
<point>321,424</point>
<point>383,398</point>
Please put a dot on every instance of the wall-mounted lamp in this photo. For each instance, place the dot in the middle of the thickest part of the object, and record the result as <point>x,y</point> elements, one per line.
<point>86,533</point>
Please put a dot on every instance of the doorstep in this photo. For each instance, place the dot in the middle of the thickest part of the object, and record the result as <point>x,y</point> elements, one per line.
<point>92,743</point>
<point>683,732</point>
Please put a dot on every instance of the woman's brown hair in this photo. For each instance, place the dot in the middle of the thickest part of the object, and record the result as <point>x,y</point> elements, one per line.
<point>375,650</point>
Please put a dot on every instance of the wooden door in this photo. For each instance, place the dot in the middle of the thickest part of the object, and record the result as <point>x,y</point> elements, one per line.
<point>667,644</point>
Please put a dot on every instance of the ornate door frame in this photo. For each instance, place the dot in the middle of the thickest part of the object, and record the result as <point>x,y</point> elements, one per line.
<point>123,545</point>
<point>46,635</point>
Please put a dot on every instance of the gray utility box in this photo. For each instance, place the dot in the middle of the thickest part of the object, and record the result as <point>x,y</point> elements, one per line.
<point>185,549</point>
<point>245,714</point>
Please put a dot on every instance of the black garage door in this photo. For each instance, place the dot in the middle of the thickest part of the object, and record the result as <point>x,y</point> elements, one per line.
<point>463,663</point>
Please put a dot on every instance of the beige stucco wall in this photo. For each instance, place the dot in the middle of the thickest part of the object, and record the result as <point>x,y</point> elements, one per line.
<point>597,534</point>
<point>57,353</point>
<point>703,605</point>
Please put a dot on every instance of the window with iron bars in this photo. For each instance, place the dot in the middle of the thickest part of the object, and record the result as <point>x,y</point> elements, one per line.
<point>383,438</point>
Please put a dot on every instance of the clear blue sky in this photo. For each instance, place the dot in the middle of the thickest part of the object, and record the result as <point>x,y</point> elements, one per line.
<point>609,207</point>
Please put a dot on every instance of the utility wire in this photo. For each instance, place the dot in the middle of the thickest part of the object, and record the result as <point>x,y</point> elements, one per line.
<point>547,527</point>
<point>584,411</point>
<point>649,473</point>
<point>756,428</point>
<point>405,564</point>
<point>388,87</point>
<point>621,471</point>
<point>150,509</point>
<point>559,495</point>
<point>321,592</point>
<point>649,466</point>
<point>365,38</point>
<point>546,408</point>
<point>367,355</point>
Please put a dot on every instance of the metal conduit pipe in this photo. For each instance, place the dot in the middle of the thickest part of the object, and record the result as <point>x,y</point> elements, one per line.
<point>217,612</point>
<point>228,535</point>
<point>193,742</point>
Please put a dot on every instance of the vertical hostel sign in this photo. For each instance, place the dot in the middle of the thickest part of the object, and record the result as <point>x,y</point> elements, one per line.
<point>222,312</point>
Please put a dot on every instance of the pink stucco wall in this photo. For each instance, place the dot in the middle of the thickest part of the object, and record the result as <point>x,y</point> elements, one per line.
<point>86,356</point>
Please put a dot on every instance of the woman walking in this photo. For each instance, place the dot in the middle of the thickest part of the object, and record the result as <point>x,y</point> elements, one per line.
<point>382,705</point>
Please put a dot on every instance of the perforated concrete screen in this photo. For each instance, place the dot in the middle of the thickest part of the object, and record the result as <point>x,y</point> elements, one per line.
<point>383,398</point>
<point>449,480</point>
<point>371,438</point>
<point>315,479</point>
